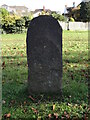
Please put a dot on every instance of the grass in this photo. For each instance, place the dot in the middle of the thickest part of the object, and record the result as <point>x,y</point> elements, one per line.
<point>17,104</point>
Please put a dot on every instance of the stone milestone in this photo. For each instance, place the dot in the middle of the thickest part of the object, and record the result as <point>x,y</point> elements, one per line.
<point>44,55</point>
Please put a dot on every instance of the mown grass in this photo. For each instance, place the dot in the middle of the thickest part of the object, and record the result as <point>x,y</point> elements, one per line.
<point>16,100</point>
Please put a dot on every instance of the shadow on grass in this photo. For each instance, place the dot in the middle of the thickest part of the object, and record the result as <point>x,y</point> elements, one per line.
<point>18,99</point>
<point>16,94</point>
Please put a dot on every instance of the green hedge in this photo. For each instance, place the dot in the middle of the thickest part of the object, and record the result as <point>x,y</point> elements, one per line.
<point>11,24</point>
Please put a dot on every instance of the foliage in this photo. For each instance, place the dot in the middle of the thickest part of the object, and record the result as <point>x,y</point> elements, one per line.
<point>8,24</point>
<point>3,12</point>
<point>18,104</point>
<point>27,21</point>
<point>58,16</point>
<point>45,13</point>
<point>16,24</point>
<point>71,19</point>
<point>13,24</point>
<point>85,11</point>
<point>76,15</point>
<point>30,15</point>
<point>20,25</point>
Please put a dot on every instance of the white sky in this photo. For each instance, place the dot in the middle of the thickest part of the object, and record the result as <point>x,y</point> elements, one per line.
<point>57,5</point>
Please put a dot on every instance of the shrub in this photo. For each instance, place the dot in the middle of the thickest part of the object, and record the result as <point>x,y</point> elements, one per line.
<point>27,21</point>
<point>71,19</point>
<point>13,24</point>
<point>58,16</point>
<point>3,12</point>
<point>8,24</point>
<point>20,25</point>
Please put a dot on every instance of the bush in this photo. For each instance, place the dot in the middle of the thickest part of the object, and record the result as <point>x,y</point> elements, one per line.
<point>8,24</point>
<point>13,24</point>
<point>2,31</point>
<point>3,12</point>
<point>27,21</point>
<point>71,19</point>
<point>58,17</point>
<point>20,25</point>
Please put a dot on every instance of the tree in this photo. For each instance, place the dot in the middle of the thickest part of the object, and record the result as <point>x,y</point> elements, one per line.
<point>58,16</point>
<point>3,12</point>
<point>20,25</point>
<point>85,11</point>
<point>8,24</point>
<point>27,21</point>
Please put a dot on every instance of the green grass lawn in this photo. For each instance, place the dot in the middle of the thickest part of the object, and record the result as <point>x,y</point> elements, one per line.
<point>17,104</point>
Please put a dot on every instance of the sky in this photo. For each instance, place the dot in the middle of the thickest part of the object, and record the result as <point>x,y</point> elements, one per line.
<point>55,5</point>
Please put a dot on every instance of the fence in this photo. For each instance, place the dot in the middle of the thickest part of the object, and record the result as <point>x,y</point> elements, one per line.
<point>75,25</point>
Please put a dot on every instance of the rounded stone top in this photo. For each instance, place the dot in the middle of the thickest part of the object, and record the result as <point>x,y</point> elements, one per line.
<point>46,21</point>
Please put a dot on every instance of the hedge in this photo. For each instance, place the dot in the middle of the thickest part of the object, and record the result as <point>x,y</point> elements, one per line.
<point>14,24</point>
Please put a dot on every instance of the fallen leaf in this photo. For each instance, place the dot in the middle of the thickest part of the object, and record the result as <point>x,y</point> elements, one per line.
<point>25,102</point>
<point>49,115</point>
<point>12,101</point>
<point>53,106</point>
<point>25,110</point>
<point>56,115</point>
<point>35,111</point>
<point>31,98</point>
<point>21,54</point>
<point>7,115</point>
<point>67,116</point>
<point>3,64</point>
<point>62,118</point>
<point>65,113</point>
<point>86,65</point>
<point>3,101</point>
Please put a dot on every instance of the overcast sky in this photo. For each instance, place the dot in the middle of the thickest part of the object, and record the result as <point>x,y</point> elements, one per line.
<point>57,5</point>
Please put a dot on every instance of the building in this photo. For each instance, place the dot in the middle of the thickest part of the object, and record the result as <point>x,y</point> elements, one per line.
<point>68,10</point>
<point>73,11</point>
<point>19,10</point>
<point>43,11</point>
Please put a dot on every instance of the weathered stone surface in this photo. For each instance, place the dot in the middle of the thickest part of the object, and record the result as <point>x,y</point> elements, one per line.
<point>44,55</point>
